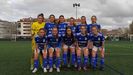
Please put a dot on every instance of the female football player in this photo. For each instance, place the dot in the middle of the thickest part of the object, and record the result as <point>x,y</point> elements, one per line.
<point>40,48</point>
<point>83,22</point>
<point>72,24</point>
<point>82,47</point>
<point>49,25</point>
<point>68,43</point>
<point>54,44</point>
<point>62,25</point>
<point>97,40</point>
<point>94,23</point>
<point>34,30</point>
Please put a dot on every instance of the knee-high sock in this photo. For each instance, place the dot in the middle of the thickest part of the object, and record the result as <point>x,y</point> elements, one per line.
<point>85,60</point>
<point>102,62</point>
<point>36,63</point>
<point>94,62</point>
<point>44,62</point>
<point>50,62</point>
<point>73,58</point>
<point>79,60</point>
<point>65,58</point>
<point>96,57</point>
<point>57,62</point>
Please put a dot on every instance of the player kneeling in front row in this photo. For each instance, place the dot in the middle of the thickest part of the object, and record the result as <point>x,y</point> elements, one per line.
<point>97,40</point>
<point>82,47</point>
<point>68,43</point>
<point>40,40</point>
<point>54,43</point>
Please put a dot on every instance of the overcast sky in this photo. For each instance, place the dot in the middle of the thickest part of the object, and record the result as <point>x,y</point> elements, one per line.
<point>111,13</point>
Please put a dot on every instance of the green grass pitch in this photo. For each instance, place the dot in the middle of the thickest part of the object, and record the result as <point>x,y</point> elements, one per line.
<point>15,60</point>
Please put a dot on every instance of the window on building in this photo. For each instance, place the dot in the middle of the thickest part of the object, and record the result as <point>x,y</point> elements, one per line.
<point>26,26</point>
<point>26,30</point>
<point>19,25</point>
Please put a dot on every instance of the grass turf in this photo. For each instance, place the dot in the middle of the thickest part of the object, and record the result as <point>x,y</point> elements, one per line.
<point>15,59</point>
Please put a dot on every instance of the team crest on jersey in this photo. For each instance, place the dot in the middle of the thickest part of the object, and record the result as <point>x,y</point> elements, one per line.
<point>85,38</point>
<point>56,39</point>
<point>98,39</point>
<point>44,40</point>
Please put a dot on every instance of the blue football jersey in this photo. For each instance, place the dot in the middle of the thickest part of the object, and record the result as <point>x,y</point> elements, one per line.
<point>73,28</point>
<point>68,40</point>
<point>62,28</point>
<point>78,28</point>
<point>82,40</point>
<point>97,39</point>
<point>40,41</point>
<point>95,24</point>
<point>54,41</point>
<point>49,26</point>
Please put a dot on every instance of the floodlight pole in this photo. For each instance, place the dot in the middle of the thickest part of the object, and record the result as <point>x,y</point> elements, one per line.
<point>76,5</point>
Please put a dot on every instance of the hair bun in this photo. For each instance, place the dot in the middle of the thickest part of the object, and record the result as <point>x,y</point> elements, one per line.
<point>41,14</point>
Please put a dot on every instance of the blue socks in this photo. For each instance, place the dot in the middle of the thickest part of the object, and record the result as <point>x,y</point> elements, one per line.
<point>96,57</point>
<point>102,62</point>
<point>57,62</point>
<point>65,58</point>
<point>44,62</point>
<point>79,60</point>
<point>85,60</point>
<point>36,63</point>
<point>50,62</point>
<point>73,58</point>
<point>94,62</point>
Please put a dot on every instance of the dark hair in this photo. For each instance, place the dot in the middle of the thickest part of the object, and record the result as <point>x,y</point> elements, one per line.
<point>74,20</point>
<point>60,17</point>
<point>85,18</point>
<point>42,29</point>
<point>85,28</point>
<point>57,30</point>
<point>94,27</point>
<point>93,16</point>
<point>71,31</point>
<point>41,14</point>
<point>52,15</point>
<point>55,27</point>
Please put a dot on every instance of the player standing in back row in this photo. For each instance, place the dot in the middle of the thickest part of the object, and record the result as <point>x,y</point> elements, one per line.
<point>49,25</point>
<point>62,25</point>
<point>34,30</point>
